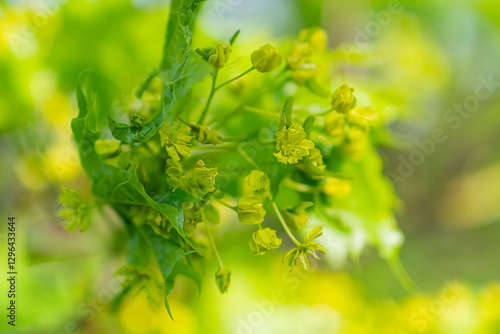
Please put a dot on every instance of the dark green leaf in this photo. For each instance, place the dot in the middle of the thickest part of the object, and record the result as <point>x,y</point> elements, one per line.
<point>286,114</point>
<point>181,268</point>
<point>167,254</point>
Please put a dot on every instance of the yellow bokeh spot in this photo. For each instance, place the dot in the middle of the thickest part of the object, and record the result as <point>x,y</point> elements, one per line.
<point>138,316</point>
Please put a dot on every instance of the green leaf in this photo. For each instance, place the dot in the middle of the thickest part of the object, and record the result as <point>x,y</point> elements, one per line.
<point>110,182</point>
<point>176,199</point>
<point>80,96</point>
<point>179,71</point>
<point>182,268</point>
<point>234,37</point>
<point>308,124</point>
<point>138,250</point>
<point>133,134</point>
<point>167,254</point>
<point>286,114</point>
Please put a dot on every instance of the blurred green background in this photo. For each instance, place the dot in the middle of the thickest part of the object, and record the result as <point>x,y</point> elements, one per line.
<point>424,59</point>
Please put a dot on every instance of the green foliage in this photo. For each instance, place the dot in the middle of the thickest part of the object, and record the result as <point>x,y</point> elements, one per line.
<point>164,173</point>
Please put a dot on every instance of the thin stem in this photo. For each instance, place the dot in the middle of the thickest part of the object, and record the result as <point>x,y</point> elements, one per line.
<point>261,111</point>
<point>212,242</point>
<point>247,157</point>
<point>146,83</point>
<point>283,223</point>
<point>235,78</point>
<point>304,188</point>
<point>210,97</point>
<point>325,112</point>
<point>235,138</point>
<point>221,119</point>
<point>401,275</point>
<point>231,145</point>
<point>232,207</point>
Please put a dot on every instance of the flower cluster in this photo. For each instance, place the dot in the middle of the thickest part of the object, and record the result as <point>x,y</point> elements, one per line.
<point>172,173</point>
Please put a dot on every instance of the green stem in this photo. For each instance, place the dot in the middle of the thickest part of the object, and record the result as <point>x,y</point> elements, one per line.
<point>304,188</point>
<point>261,111</point>
<point>210,97</point>
<point>222,119</point>
<point>247,157</point>
<point>285,227</point>
<point>326,112</point>
<point>146,83</point>
<point>225,204</point>
<point>212,242</point>
<point>231,145</point>
<point>235,138</point>
<point>235,78</point>
<point>401,274</point>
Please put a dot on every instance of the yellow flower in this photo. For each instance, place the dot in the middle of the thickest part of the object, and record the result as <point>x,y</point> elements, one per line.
<point>343,99</point>
<point>315,36</point>
<point>292,144</point>
<point>264,240</point>
<point>266,59</point>
<point>333,186</point>
<point>223,279</point>
<point>174,173</point>
<point>250,210</point>
<point>299,255</point>
<point>176,140</point>
<point>219,55</point>
<point>204,177</point>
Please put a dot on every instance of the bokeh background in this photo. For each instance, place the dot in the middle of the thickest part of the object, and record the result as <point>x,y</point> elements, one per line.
<point>424,59</point>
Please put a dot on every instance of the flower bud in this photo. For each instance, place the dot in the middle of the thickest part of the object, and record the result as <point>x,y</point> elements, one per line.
<point>315,36</point>
<point>266,59</point>
<point>207,135</point>
<point>223,279</point>
<point>257,183</point>
<point>250,210</point>
<point>137,120</point>
<point>343,99</point>
<point>264,240</point>
<point>220,54</point>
